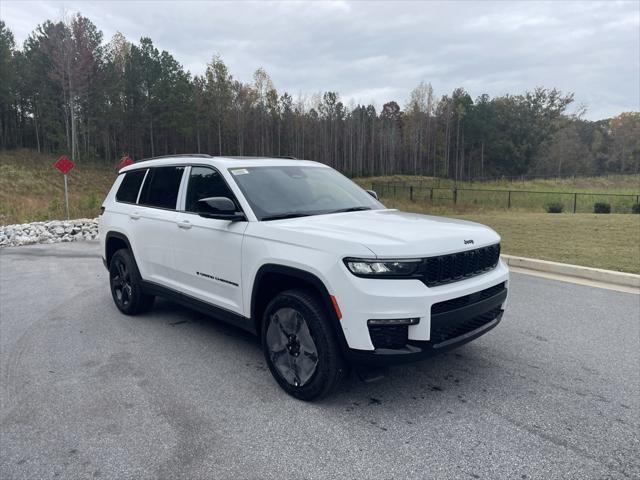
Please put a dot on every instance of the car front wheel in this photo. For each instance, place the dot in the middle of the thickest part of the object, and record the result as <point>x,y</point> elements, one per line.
<point>299,345</point>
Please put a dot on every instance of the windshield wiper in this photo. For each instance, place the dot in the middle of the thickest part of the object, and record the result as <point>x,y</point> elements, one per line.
<point>281,216</point>
<point>350,209</point>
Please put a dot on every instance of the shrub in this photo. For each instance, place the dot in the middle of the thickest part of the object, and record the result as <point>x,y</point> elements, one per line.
<point>555,207</point>
<point>635,208</point>
<point>601,207</point>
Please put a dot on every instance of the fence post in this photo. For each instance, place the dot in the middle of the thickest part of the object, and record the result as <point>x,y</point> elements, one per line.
<point>431,195</point>
<point>509,200</point>
<point>455,195</point>
<point>575,201</point>
<point>411,193</point>
<point>395,191</point>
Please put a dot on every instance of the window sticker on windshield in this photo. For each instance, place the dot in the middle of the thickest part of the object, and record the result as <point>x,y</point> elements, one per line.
<point>239,171</point>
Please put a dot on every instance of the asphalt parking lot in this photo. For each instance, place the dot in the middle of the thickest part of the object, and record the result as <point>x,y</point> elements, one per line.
<point>552,392</point>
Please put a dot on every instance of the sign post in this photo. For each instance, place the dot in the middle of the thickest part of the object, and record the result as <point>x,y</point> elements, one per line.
<point>65,165</point>
<point>66,195</point>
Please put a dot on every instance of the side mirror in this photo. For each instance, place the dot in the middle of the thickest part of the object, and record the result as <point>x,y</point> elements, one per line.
<point>221,208</point>
<point>372,193</point>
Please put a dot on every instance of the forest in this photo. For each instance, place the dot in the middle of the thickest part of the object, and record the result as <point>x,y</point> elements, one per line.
<point>68,90</point>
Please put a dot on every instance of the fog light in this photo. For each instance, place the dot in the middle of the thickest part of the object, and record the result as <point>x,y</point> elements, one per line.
<point>393,321</point>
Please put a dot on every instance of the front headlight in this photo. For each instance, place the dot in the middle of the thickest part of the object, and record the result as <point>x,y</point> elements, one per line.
<point>382,268</point>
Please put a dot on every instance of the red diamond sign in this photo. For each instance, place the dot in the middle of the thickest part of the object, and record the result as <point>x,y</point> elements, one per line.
<point>126,160</point>
<point>64,164</point>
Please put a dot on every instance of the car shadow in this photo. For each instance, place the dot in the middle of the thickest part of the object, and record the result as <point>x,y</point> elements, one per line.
<point>442,382</point>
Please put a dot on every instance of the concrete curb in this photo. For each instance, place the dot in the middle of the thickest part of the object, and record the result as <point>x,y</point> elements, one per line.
<point>588,273</point>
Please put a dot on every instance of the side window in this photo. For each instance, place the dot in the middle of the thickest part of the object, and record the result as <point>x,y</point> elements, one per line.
<point>204,183</point>
<point>130,186</point>
<point>161,187</point>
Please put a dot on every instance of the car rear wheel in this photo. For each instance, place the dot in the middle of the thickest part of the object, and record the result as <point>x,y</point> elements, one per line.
<point>126,285</point>
<point>299,345</point>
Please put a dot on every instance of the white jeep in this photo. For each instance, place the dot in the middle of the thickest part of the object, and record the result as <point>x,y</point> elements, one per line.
<point>298,254</point>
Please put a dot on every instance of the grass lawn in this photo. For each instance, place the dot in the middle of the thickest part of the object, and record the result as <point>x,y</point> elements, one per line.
<point>602,241</point>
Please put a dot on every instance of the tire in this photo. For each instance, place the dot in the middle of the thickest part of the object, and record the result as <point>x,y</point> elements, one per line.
<point>299,346</point>
<point>126,284</point>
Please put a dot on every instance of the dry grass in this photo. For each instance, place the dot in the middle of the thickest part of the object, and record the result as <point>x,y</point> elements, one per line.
<point>602,241</point>
<point>32,190</point>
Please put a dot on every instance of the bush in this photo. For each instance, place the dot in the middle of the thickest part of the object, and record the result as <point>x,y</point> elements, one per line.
<point>555,207</point>
<point>635,208</point>
<point>601,207</point>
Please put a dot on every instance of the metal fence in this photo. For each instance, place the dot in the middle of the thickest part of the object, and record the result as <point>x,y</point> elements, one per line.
<point>548,177</point>
<point>576,202</point>
<point>446,182</point>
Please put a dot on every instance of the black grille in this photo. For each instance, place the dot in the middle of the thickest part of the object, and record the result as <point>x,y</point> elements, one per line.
<point>389,336</point>
<point>458,266</point>
<point>460,302</point>
<point>443,331</point>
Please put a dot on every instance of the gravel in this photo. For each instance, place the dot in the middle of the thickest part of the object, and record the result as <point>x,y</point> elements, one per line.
<point>54,231</point>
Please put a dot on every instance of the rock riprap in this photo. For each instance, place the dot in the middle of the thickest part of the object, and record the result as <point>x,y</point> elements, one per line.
<point>53,231</point>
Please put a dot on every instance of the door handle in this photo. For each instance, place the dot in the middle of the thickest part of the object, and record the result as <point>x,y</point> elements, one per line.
<point>185,224</point>
<point>134,215</point>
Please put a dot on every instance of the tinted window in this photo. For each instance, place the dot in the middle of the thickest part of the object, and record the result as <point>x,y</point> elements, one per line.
<point>161,187</point>
<point>130,186</point>
<point>204,183</point>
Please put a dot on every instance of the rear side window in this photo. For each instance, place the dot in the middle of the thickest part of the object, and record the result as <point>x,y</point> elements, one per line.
<point>161,187</point>
<point>130,186</point>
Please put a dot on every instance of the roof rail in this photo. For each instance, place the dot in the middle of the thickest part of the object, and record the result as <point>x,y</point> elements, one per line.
<point>252,157</point>
<point>177,155</point>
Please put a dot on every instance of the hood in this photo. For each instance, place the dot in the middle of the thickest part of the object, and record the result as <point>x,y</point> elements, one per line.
<point>389,233</point>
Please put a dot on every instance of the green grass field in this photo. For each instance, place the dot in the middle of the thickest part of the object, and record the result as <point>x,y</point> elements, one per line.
<point>602,241</point>
<point>31,190</point>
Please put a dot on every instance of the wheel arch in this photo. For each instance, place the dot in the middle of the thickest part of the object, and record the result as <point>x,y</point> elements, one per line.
<point>272,279</point>
<point>113,242</point>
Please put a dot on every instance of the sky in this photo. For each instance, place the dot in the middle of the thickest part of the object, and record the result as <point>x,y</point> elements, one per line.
<point>379,51</point>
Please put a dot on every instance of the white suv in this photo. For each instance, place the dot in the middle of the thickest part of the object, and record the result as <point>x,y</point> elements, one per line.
<point>303,257</point>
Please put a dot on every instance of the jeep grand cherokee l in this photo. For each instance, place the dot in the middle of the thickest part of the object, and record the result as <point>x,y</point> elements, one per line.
<point>300,255</point>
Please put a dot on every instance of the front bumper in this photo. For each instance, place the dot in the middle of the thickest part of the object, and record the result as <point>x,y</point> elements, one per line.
<point>392,299</point>
<point>450,330</point>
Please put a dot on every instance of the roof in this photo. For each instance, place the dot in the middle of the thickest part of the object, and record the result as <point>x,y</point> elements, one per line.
<point>220,162</point>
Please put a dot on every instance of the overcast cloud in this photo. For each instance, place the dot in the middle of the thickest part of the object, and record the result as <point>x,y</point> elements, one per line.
<point>379,51</point>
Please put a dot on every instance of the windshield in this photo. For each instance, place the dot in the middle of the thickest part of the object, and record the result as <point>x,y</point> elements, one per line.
<point>291,191</point>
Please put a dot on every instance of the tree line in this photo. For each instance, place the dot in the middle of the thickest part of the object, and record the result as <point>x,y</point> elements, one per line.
<point>66,90</point>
